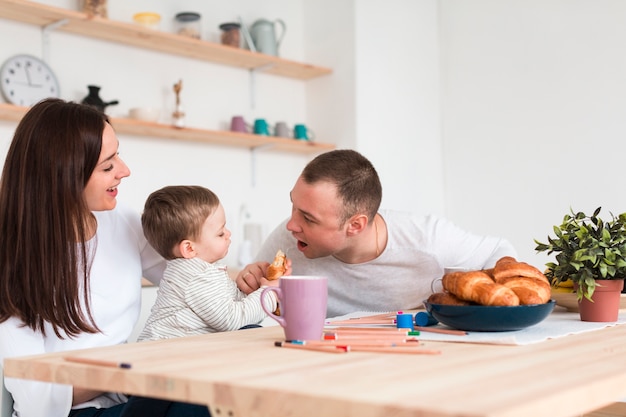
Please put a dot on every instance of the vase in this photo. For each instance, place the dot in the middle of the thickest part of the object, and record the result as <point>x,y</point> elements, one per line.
<point>93,99</point>
<point>606,302</point>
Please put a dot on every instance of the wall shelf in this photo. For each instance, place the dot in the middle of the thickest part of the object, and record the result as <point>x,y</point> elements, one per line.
<point>132,34</point>
<point>132,127</point>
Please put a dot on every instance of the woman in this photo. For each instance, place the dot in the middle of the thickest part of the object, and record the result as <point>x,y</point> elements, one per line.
<point>71,261</point>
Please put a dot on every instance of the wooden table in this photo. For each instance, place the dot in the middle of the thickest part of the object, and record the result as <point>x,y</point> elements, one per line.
<point>242,374</point>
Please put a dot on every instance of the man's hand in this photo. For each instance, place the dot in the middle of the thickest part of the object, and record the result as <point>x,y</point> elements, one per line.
<point>249,279</point>
<point>252,276</point>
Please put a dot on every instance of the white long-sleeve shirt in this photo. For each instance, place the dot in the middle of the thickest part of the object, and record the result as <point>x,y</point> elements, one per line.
<point>402,277</point>
<point>121,258</point>
<point>197,297</point>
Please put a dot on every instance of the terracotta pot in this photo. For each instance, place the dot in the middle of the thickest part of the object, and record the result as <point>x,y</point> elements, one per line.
<point>606,302</point>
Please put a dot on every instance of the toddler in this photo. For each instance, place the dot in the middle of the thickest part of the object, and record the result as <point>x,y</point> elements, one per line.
<point>187,226</point>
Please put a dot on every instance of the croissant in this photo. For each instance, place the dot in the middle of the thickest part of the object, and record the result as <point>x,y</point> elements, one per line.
<point>480,288</point>
<point>447,298</point>
<point>528,290</point>
<point>527,282</point>
<point>277,268</point>
<point>509,267</point>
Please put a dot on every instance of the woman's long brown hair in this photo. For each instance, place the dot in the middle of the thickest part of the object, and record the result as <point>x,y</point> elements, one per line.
<point>44,261</point>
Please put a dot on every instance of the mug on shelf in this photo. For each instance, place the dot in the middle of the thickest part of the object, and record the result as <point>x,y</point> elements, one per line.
<point>238,124</point>
<point>301,132</point>
<point>261,127</point>
<point>282,130</point>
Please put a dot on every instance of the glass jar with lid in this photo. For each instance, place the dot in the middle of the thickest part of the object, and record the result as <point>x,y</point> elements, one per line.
<point>95,8</point>
<point>231,34</point>
<point>188,24</point>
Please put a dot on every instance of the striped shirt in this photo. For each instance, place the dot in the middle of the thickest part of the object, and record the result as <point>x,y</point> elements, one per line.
<point>197,297</point>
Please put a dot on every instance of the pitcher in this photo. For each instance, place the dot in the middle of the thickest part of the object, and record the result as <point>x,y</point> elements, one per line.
<point>263,34</point>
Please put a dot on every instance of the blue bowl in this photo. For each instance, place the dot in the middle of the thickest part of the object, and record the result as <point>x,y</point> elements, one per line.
<point>490,319</point>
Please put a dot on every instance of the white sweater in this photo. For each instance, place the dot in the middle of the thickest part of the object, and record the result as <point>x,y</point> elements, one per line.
<point>122,257</point>
<point>402,277</point>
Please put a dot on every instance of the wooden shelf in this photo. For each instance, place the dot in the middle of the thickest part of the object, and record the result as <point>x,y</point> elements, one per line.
<point>136,35</point>
<point>215,137</point>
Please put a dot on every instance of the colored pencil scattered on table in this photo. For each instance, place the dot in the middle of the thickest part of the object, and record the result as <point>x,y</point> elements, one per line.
<point>99,362</point>
<point>394,349</point>
<point>370,330</point>
<point>387,319</point>
<point>361,322</point>
<point>442,331</point>
<point>363,342</point>
<point>321,346</point>
<point>382,336</point>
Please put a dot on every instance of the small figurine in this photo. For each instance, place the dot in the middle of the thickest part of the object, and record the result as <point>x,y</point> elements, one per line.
<point>179,114</point>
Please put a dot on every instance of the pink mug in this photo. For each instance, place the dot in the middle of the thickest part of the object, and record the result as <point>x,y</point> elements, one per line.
<point>302,300</point>
<point>238,124</point>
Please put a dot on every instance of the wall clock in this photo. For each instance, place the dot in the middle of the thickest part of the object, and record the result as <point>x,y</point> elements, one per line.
<point>25,80</point>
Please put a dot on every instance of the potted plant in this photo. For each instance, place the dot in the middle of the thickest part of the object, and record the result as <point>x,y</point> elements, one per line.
<point>589,251</point>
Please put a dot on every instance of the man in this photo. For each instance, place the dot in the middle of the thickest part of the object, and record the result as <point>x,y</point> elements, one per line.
<point>374,260</point>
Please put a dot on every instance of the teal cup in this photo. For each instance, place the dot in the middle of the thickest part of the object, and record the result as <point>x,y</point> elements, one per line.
<point>301,132</point>
<point>261,127</point>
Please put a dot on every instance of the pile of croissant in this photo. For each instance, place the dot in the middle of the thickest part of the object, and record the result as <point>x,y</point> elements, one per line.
<point>508,283</point>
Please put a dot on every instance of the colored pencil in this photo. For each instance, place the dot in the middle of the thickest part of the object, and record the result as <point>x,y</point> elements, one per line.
<point>328,349</point>
<point>368,330</point>
<point>395,349</point>
<point>360,342</point>
<point>363,321</point>
<point>99,362</point>
<point>442,331</point>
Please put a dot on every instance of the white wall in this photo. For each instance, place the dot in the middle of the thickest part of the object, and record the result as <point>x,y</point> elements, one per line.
<point>383,97</point>
<point>500,114</point>
<point>534,102</point>
<point>397,100</point>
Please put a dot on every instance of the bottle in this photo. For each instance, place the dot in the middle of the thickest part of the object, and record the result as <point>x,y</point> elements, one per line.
<point>188,24</point>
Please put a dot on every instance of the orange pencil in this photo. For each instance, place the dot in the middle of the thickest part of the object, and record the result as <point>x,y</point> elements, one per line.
<point>370,330</point>
<point>362,342</point>
<point>363,321</point>
<point>353,336</point>
<point>329,348</point>
<point>442,331</point>
<point>394,349</point>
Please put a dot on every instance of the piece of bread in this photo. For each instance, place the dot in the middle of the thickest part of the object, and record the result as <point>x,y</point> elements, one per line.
<point>277,268</point>
<point>528,282</point>
<point>508,267</point>
<point>528,290</point>
<point>447,298</point>
<point>480,288</point>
